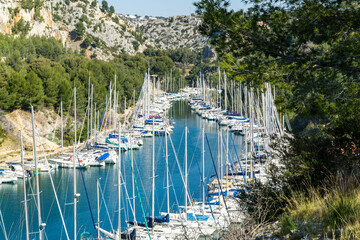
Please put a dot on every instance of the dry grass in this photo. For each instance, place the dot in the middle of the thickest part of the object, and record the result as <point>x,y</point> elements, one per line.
<point>332,212</point>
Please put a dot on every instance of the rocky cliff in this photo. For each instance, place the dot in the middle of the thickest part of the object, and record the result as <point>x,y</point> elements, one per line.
<point>84,25</point>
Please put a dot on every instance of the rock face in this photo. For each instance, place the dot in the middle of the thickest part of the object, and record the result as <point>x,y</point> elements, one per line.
<point>46,123</point>
<point>105,33</point>
<point>173,32</point>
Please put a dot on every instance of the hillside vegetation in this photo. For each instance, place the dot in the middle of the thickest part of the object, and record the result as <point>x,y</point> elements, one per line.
<point>309,51</point>
<point>96,29</point>
<point>40,71</point>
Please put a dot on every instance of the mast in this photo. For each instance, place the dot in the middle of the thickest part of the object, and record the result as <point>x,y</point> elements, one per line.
<point>133,180</point>
<point>148,94</point>
<point>203,167</point>
<point>98,206</point>
<point>110,109</point>
<point>88,111</point>
<point>218,157</point>
<point>227,160</point>
<point>75,114</point>
<point>186,173</point>
<point>95,120</point>
<point>246,151</point>
<point>125,114</point>
<point>241,104</point>
<point>167,174</point>
<point>153,175</point>
<point>41,225</point>
<point>225,80</point>
<point>219,87</point>
<point>62,128</point>
<point>75,194</point>
<point>221,155</point>
<point>24,183</point>
<point>119,184</point>
<point>115,101</point>
<point>74,166</point>
<point>251,132</point>
<point>91,111</point>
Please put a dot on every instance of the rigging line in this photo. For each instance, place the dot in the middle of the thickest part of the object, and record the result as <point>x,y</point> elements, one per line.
<point>102,114</point>
<point>87,195</point>
<point>3,226</point>
<point>33,195</point>
<point>54,190</point>
<point>181,173</point>
<point>207,195</point>
<point>180,143</point>
<point>173,167</point>
<point>177,202</point>
<point>237,156</point>
<point>156,164</point>
<point>138,192</point>
<point>217,176</point>
<point>53,136</point>
<point>127,195</point>
<point>107,114</point>
<point>107,211</point>
<point>105,184</point>
<point>68,112</point>
<point>142,184</point>
<point>164,177</point>
<point>82,128</point>
<point>124,182</point>
<point>189,166</point>
<point>57,201</point>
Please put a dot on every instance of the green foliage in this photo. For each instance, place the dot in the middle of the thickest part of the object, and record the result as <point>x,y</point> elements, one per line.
<point>21,27</point>
<point>2,136</point>
<point>80,29</point>
<point>84,19</point>
<point>40,71</point>
<point>37,15</point>
<point>97,27</point>
<point>14,60</point>
<point>82,6</point>
<point>116,20</point>
<point>15,12</point>
<point>27,4</point>
<point>93,4</point>
<point>308,51</point>
<point>136,45</point>
<point>34,94</point>
<point>105,6</point>
<point>183,55</point>
<point>287,225</point>
<point>112,9</point>
<point>30,4</point>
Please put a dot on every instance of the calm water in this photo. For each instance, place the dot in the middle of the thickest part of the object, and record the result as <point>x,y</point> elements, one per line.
<point>11,196</point>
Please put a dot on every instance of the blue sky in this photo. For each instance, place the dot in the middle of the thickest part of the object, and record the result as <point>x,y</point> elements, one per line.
<point>163,8</point>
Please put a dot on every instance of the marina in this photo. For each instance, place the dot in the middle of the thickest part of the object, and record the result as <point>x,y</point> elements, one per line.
<point>180,179</point>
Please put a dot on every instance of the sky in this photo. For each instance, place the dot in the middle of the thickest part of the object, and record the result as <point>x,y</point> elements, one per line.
<point>163,8</point>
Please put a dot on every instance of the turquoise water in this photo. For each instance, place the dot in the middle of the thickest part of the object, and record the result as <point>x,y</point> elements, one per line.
<point>11,196</point>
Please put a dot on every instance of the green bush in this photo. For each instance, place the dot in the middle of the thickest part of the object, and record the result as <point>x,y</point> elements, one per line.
<point>286,224</point>
<point>21,27</point>
<point>42,71</point>
<point>2,136</point>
